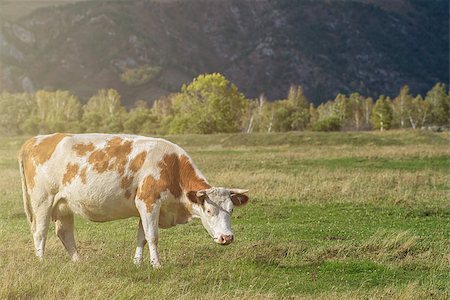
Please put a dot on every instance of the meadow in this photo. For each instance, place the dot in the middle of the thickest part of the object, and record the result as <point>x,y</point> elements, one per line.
<point>361,215</point>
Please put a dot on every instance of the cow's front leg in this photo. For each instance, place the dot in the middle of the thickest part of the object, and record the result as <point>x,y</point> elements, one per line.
<point>150,219</point>
<point>141,241</point>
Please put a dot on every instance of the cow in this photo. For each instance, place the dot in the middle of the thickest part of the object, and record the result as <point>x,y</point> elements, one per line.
<point>105,177</point>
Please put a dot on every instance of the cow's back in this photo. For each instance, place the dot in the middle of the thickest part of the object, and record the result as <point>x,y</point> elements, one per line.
<point>96,175</point>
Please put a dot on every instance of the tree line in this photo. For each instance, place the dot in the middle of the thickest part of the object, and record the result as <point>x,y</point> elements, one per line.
<point>212,104</point>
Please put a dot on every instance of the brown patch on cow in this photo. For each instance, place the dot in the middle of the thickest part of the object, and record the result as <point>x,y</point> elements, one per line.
<point>137,162</point>
<point>169,177</point>
<point>82,149</point>
<point>149,191</point>
<point>83,175</point>
<point>71,172</point>
<point>34,154</point>
<point>44,150</point>
<point>188,177</point>
<point>113,157</point>
<point>176,174</point>
<point>126,182</point>
<point>99,160</point>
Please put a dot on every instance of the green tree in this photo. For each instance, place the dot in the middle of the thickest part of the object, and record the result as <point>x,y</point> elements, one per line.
<point>207,105</point>
<point>140,120</point>
<point>313,114</point>
<point>17,111</point>
<point>260,115</point>
<point>440,104</point>
<point>299,108</point>
<point>282,116</point>
<point>267,117</point>
<point>382,113</point>
<point>356,110</point>
<point>58,111</point>
<point>139,76</point>
<point>418,111</point>
<point>163,111</point>
<point>367,112</point>
<point>104,112</point>
<point>400,107</point>
<point>326,110</point>
<point>327,124</point>
<point>292,113</point>
<point>326,118</point>
<point>342,108</point>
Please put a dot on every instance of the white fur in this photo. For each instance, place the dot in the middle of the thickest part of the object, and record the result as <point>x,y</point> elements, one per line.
<point>218,221</point>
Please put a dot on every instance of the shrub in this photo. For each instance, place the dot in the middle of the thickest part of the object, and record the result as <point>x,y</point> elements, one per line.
<point>139,76</point>
<point>329,124</point>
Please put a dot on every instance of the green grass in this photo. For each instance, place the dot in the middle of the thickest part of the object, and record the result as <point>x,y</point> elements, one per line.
<point>332,216</point>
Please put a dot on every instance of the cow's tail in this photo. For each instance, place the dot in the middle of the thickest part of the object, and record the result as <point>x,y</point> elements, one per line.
<point>26,197</point>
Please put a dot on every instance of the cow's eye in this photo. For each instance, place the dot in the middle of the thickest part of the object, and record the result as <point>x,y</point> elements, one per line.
<point>208,211</point>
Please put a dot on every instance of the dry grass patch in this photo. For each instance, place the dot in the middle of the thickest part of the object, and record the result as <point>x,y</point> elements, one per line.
<point>344,186</point>
<point>394,245</point>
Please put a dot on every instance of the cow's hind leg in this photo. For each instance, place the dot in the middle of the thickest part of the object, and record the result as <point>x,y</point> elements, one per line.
<point>64,228</point>
<point>39,227</point>
<point>141,241</point>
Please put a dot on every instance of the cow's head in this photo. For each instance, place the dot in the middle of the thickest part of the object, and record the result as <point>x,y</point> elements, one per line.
<point>214,207</point>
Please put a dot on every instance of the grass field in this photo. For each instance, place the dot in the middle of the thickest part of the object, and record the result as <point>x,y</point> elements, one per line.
<point>332,216</point>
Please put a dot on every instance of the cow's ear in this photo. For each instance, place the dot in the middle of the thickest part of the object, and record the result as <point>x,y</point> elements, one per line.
<point>197,196</point>
<point>238,197</point>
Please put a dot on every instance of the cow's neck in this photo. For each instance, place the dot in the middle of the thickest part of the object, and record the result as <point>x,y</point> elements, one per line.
<point>190,178</point>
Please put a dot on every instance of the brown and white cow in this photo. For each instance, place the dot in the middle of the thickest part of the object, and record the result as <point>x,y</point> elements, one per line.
<point>105,177</point>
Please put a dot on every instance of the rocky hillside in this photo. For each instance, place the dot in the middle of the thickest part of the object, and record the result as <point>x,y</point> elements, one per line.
<point>262,46</point>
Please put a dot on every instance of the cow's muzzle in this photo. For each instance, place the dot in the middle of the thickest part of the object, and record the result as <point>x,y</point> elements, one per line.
<point>225,239</point>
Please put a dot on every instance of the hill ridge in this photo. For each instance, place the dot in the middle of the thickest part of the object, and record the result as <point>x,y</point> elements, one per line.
<point>261,46</point>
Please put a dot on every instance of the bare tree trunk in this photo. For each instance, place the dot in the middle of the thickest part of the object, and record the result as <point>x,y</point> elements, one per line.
<point>413,124</point>
<point>250,125</point>
<point>367,114</point>
<point>425,113</point>
<point>261,102</point>
<point>357,121</point>
<point>270,124</point>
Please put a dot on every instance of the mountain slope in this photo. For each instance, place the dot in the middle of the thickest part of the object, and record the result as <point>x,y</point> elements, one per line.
<point>262,46</point>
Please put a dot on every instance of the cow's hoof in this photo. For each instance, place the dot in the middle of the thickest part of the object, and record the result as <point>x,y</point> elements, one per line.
<point>137,261</point>
<point>75,258</point>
